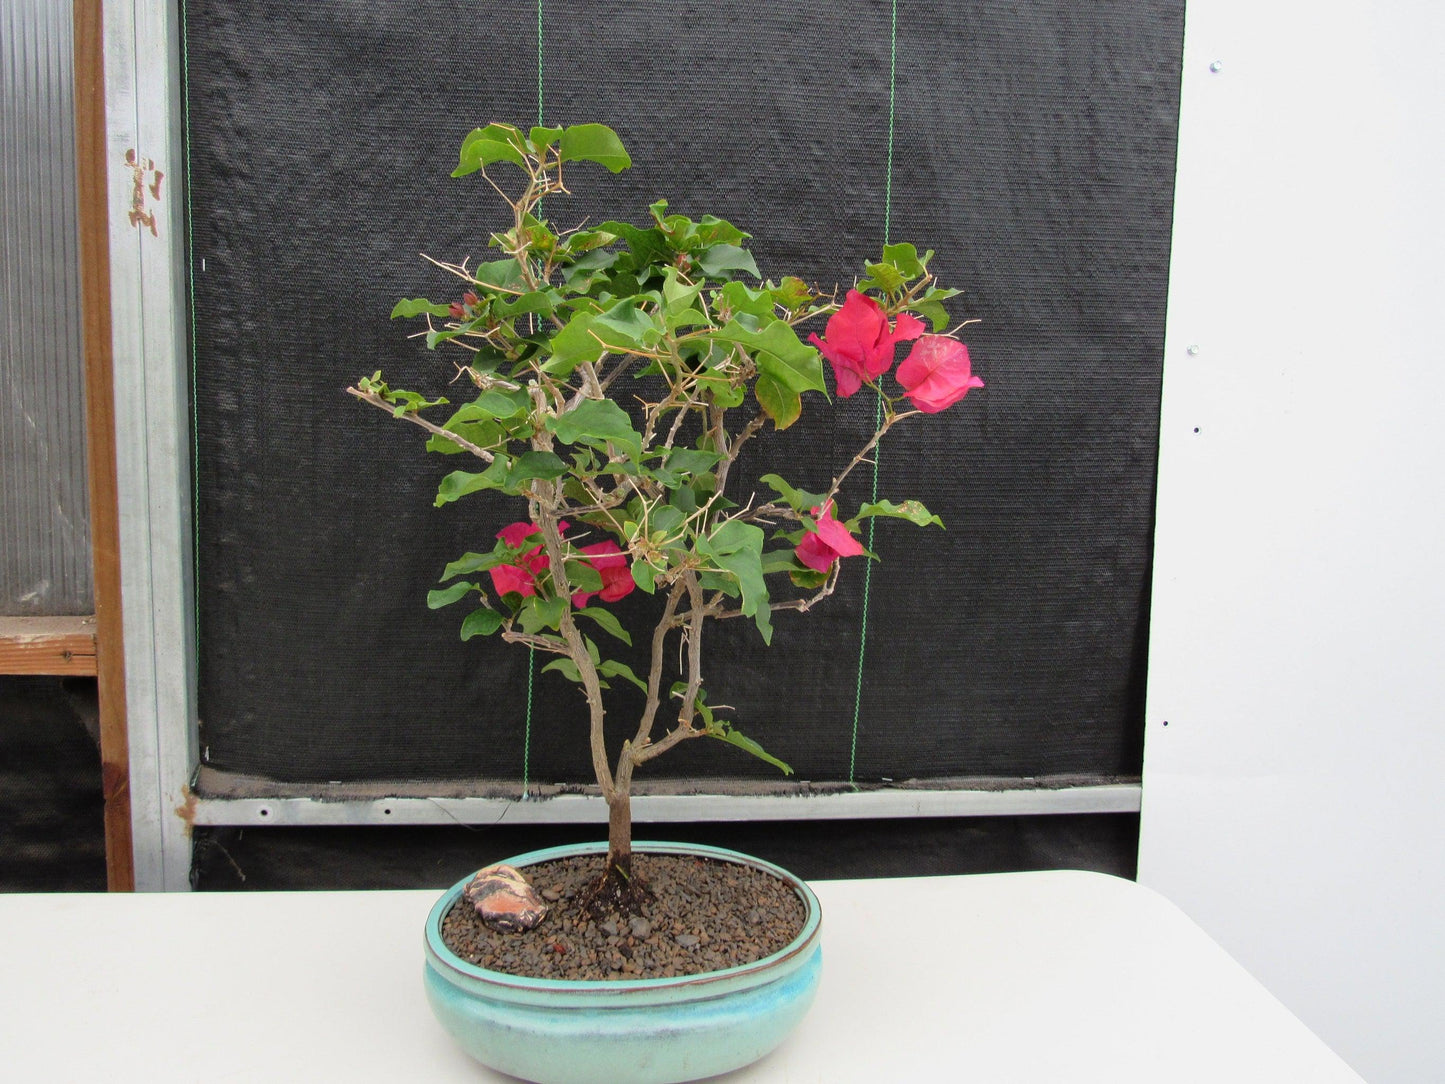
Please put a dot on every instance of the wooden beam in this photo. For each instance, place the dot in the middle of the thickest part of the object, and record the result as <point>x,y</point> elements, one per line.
<point>91,190</point>
<point>47,645</point>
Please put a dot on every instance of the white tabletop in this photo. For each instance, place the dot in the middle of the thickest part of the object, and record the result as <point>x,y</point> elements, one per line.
<point>1012,977</point>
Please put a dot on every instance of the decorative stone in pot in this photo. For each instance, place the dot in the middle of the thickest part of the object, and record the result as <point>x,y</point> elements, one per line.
<point>649,1030</point>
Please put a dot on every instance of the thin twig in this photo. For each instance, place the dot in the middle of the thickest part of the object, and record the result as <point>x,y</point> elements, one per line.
<point>416,419</point>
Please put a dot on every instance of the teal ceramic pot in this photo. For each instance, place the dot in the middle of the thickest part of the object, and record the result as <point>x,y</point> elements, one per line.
<point>648,1031</point>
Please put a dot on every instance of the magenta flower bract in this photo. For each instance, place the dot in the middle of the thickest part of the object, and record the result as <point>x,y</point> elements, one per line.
<point>937,373</point>
<point>828,541</point>
<point>522,576</point>
<point>859,343</point>
<point>611,564</point>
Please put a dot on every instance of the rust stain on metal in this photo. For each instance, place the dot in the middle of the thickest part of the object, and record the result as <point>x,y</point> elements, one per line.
<point>187,809</point>
<point>140,168</point>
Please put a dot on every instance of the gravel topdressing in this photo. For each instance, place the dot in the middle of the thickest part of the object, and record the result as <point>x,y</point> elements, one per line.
<point>706,915</point>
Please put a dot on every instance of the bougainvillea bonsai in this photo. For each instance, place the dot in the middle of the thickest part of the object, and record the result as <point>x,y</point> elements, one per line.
<point>619,371</point>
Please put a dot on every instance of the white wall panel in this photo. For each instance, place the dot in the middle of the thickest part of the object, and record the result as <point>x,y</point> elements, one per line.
<point>1295,747</point>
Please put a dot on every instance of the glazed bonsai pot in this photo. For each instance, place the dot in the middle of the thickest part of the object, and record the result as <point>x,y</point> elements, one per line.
<point>650,1031</point>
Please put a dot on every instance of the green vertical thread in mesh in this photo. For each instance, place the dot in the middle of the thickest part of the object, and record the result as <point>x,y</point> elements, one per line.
<point>878,408</point>
<point>531,651</point>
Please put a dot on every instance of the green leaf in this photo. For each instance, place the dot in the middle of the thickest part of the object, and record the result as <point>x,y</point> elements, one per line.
<point>779,402</point>
<point>445,596</point>
<point>800,500</point>
<point>780,354</point>
<point>470,424</point>
<point>541,138</point>
<point>597,422</point>
<point>711,230</point>
<point>736,548</point>
<point>539,613</point>
<point>913,511</point>
<point>530,465</point>
<point>404,402</point>
<point>645,576</point>
<point>626,327</point>
<point>607,621</point>
<point>692,460</point>
<point>676,294</point>
<point>499,275</point>
<point>481,622</point>
<point>746,566</point>
<point>459,483</point>
<point>415,306</point>
<point>647,246</point>
<point>494,404</point>
<point>736,297</point>
<point>735,535</point>
<point>567,668</point>
<point>936,314</point>
<point>905,258</point>
<point>573,344</point>
<point>583,576</point>
<point>725,731</point>
<point>808,579</point>
<point>792,293</point>
<point>612,668</point>
<point>684,498</point>
<point>720,259</point>
<point>436,338</point>
<point>587,335</point>
<point>885,276</point>
<point>780,561</point>
<point>665,520</point>
<point>494,143</point>
<point>543,302</point>
<point>479,562</point>
<point>594,143</point>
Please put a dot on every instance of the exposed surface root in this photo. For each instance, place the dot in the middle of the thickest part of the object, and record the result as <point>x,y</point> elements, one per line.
<point>619,891</point>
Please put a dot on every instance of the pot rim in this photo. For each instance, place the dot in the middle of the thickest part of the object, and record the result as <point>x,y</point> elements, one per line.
<point>441,956</point>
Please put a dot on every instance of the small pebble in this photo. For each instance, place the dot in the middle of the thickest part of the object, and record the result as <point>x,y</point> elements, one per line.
<point>686,940</point>
<point>639,926</point>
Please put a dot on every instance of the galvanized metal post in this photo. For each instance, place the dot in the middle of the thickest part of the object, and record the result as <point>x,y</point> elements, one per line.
<point>152,405</point>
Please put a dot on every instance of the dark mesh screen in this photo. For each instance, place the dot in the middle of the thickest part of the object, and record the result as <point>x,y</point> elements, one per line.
<point>1033,148</point>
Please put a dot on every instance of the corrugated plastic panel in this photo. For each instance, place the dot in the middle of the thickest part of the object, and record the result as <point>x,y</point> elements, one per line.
<point>44,508</point>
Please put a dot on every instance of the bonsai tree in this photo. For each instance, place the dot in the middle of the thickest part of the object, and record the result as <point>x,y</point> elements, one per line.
<point>619,371</point>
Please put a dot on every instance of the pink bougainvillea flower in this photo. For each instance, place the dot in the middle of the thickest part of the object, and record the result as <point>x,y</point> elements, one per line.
<point>828,541</point>
<point>937,373</point>
<point>611,564</point>
<point>521,577</point>
<point>859,342</point>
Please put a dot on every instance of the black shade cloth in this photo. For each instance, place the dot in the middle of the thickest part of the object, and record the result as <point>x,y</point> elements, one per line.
<point>1033,148</point>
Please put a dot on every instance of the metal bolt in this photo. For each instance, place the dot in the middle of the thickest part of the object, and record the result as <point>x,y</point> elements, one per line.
<point>1216,66</point>
<point>1192,350</point>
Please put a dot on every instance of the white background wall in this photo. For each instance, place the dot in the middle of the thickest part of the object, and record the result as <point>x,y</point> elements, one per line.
<point>1293,803</point>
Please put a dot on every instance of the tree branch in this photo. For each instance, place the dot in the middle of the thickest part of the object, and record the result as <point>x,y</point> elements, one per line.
<point>416,419</point>
<point>862,455</point>
<point>802,605</point>
<point>541,643</point>
<point>577,646</point>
